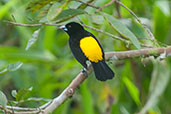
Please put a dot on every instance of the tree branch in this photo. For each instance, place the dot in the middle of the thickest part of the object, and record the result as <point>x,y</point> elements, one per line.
<point>139,53</point>
<point>34,25</point>
<point>69,91</point>
<point>88,4</point>
<point>106,33</point>
<point>30,25</point>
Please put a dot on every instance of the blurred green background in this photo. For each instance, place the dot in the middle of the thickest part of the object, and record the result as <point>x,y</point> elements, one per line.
<point>140,84</point>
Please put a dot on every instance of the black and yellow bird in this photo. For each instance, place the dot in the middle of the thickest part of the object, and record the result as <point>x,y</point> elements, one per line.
<point>85,46</point>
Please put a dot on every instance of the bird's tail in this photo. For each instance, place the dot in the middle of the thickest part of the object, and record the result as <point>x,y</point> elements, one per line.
<point>102,71</point>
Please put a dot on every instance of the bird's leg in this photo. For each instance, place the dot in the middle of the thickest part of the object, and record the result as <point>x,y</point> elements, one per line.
<point>84,72</point>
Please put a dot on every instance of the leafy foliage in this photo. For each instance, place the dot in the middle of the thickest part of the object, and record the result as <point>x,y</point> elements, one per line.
<point>140,85</point>
<point>37,4</point>
<point>3,99</point>
<point>65,15</point>
<point>134,92</point>
<point>123,30</point>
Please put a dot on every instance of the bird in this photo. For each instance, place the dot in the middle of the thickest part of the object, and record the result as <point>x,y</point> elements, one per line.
<point>85,47</point>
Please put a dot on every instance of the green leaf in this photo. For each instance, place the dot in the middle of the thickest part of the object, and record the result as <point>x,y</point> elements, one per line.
<point>33,39</point>
<point>138,29</point>
<point>65,15</point>
<point>11,67</point>
<point>160,79</point>
<point>49,37</point>
<point>68,14</point>
<point>16,54</point>
<point>14,93</point>
<point>161,20</point>
<point>52,13</point>
<point>127,3</point>
<point>22,93</point>
<point>164,7</point>
<point>124,110</point>
<point>3,99</point>
<point>59,10</point>
<point>3,71</point>
<point>87,99</point>
<point>35,99</point>
<point>4,9</point>
<point>14,66</point>
<point>133,90</point>
<point>17,65</point>
<point>35,5</point>
<point>122,29</point>
<point>83,6</point>
<point>42,13</point>
<point>97,19</point>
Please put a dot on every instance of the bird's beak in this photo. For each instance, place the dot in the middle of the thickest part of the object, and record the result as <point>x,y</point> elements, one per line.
<point>63,27</point>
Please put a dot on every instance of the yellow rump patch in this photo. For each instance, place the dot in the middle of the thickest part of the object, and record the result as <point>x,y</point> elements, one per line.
<point>91,49</point>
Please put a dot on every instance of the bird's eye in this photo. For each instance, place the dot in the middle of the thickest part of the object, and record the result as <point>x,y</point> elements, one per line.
<point>69,26</point>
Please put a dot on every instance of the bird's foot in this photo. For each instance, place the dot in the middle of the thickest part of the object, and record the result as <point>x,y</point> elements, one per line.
<point>84,72</point>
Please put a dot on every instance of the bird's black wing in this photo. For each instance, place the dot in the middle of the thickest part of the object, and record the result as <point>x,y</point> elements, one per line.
<point>77,52</point>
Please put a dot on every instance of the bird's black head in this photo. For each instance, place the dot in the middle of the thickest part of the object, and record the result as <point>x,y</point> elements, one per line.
<point>72,28</point>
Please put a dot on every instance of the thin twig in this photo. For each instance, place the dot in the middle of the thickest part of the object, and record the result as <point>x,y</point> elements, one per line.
<point>88,4</point>
<point>113,36</point>
<point>30,25</point>
<point>34,25</point>
<point>118,9</point>
<point>128,10</point>
<point>21,108</point>
<point>5,110</point>
<point>109,3</point>
<point>13,17</point>
<point>19,24</point>
<point>109,34</point>
<point>136,17</point>
<point>84,5</point>
<point>110,100</point>
<point>96,7</point>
